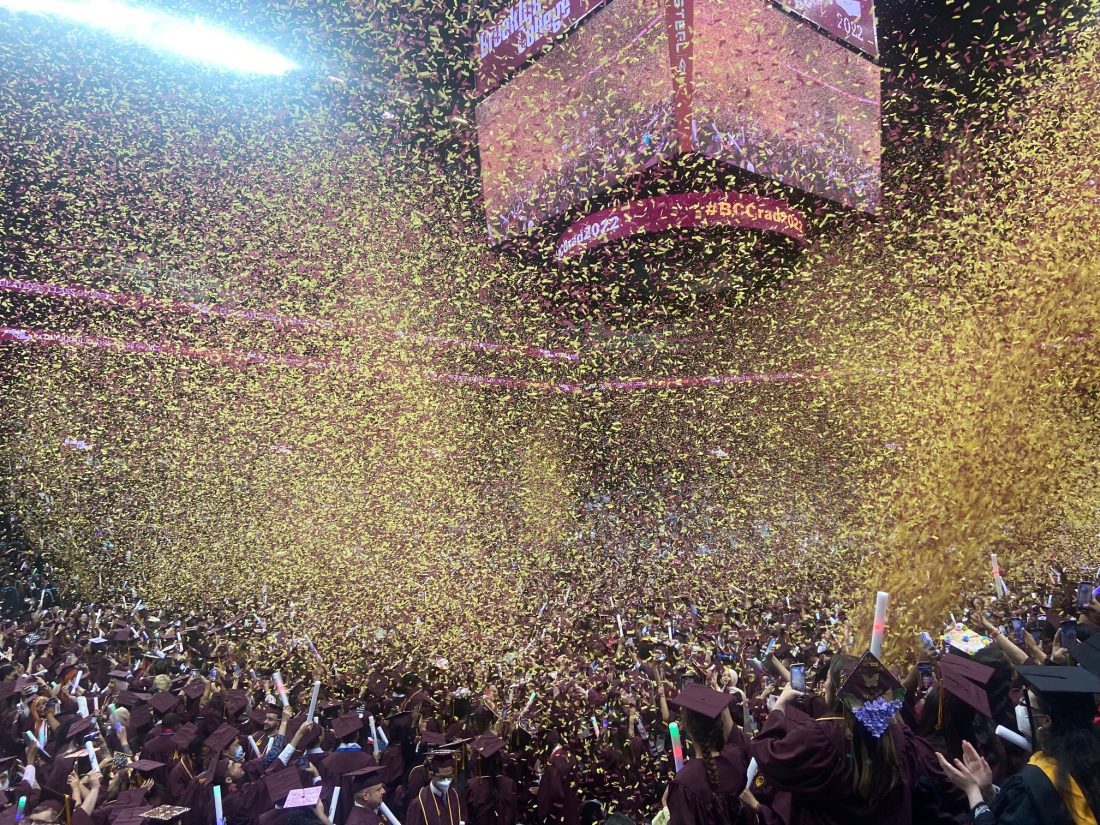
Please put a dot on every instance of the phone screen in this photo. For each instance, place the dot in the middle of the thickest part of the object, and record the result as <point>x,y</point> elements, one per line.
<point>798,676</point>
<point>926,675</point>
<point>1084,595</point>
<point>1069,632</point>
<point>1018,629</point>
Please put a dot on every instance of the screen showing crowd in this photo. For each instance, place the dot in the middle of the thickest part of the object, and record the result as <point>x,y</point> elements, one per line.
<point>593,111</point>
<point>771,95</point>
<point>774,97</point>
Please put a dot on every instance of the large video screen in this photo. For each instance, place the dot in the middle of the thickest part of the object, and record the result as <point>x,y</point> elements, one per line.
<point>593,111</point>
<point>775,97</point>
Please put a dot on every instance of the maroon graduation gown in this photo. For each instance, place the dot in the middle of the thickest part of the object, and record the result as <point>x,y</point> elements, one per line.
<point>692,801</point>
<point>807,758</point>
<point>558,803</point>
<point>363,816</point>
<point>429,809</point>
<point>491,801</point>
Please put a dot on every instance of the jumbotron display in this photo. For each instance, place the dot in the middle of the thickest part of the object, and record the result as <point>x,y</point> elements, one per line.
<point>593,111</point>
<point>774,97</point>
<point>762,90</point>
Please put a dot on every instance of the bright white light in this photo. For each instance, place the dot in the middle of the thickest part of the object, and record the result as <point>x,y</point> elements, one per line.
<point>191,39</point>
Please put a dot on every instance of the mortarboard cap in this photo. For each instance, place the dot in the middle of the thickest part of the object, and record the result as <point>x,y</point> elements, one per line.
<point>164,702</point>
<point>131,699</point>
<point>1060,680</point>
<point>431,739</point>
<point>280,783</point>
<point>236,700</point>
<point>194,690</point>
<point>219,740</point>
<point>80,728</point>
<point>702,700</point>
<point>967,680</point>
<point>165,813</point>
<point>488,744</point>
<point>185,736</point>
<point>119,674</point>
<point>366,777</point>
<point>145,765</point>
<point>121,635</point>
<point>1087,654</point>
<point>346,725</point>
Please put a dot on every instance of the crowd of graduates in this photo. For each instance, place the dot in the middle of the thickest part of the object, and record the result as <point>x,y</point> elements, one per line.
<point>115,713</point>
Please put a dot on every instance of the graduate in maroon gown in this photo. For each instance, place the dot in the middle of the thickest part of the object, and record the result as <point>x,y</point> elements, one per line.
<point>369,792</point>
<point>558,803</point>
<point>440,802</point>
<point>850,766</point>
<point>707,789</point>
<point>491,798</point>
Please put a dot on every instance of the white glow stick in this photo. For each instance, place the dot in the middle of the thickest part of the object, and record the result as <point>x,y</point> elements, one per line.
<point>88,746</point>
<point>255,747</point>
<point>82,707</point>
<point>568,590</point>
<point>333,803</point>
<point>878,629</point>
<point>619,619</point>
<point>313,697</point>
<point>386,812</point>
<point>42,598</point>
<point>219,818</point>
<point>750,774</point>
<point>95,703</point>
<point>76,681</point>
<point>280,688</point>
<point>373,738</point>
<point>670,631</point>
<point>1013,737</point>
<point>596,727</point>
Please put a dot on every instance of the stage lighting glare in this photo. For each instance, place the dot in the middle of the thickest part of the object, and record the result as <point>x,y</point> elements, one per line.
<point>191,39</point>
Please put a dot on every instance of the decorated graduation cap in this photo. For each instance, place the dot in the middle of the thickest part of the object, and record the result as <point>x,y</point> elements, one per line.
<point>967,680</point>
<point>872,694</point>
<point>702,700</point>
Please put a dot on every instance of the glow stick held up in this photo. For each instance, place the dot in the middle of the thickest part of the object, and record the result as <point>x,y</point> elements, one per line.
<point>530,701</point>
<point>280,688</point>
<point>255,747</point>
<point>313,697</point>
<point>219,818</point>
<point>596,727</point>
<point>332,805</point>
<point>677,747</point>
<point>878,629</point>
<point>90,748</point>
<point>34,740</point>
<point>619,619</point>
<point>373,737</point>
<point>386,812</point>
<point>20,809</point>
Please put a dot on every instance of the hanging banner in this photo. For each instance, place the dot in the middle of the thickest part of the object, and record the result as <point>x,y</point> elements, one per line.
<point>688,209</point>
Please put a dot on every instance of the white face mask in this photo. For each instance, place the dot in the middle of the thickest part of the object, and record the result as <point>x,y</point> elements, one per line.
<point>442,784</point>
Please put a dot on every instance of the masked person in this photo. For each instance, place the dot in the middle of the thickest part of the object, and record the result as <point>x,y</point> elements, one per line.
<point>439,803</point>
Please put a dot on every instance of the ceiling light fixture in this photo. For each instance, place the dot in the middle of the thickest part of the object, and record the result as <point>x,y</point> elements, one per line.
<point>189,38</point>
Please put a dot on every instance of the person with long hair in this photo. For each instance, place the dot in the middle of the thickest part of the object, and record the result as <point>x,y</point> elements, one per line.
<point>850,765</point>
<point>1061,783</point>
<point>707,790</point>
